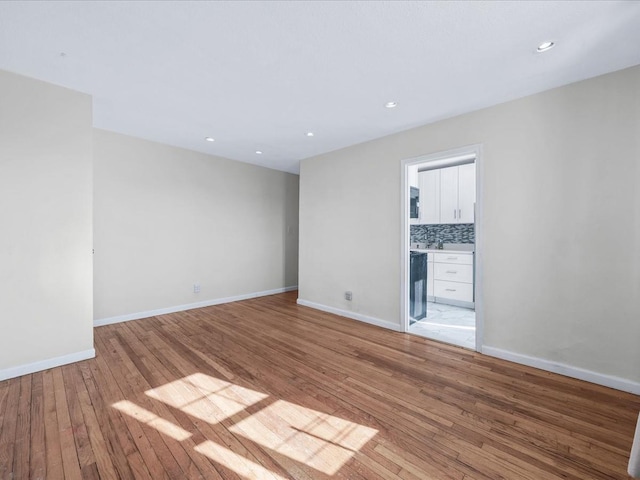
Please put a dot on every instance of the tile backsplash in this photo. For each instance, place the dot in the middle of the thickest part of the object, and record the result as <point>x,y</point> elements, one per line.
<point>447,233</point>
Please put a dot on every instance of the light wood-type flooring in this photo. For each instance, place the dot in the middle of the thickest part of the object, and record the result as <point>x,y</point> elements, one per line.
<point>267,389</point>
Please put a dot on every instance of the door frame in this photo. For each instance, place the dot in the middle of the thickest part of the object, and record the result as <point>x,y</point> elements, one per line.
<point>445,158</point>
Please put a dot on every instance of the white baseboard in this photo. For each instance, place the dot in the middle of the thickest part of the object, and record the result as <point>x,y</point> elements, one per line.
<point>20,370</point>
<point>567,370</point>
<point>353,315</point>
<point>189,306</point>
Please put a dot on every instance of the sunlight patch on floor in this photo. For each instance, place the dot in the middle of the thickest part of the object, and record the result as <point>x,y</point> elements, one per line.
<point>207,398</point>
<point>305,436</point>
<point>239,464</point>
<point>151,419</point>
<point>316,439</point>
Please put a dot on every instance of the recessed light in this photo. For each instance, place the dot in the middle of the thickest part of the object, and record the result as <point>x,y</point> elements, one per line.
<point>309,134</point>
<point>391,104</point>
<point>544,46</point>
<point>210,139</point>
<point>258,152</point>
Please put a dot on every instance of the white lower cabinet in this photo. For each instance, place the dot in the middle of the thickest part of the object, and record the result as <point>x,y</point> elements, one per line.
<point>462,292</point>
<point>462,258</point>
<point>453,279</point>
<point>453,272</point>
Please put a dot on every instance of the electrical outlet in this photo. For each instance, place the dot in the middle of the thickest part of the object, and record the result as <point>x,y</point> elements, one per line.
<point>348,295</point>
<point>196,288</point>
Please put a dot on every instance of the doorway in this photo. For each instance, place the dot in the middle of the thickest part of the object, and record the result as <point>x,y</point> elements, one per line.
<point>441,238</point>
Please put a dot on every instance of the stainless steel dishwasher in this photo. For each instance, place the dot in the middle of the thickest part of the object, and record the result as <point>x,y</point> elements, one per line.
<point>417,286</point>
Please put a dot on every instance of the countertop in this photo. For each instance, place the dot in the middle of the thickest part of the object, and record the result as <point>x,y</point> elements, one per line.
<point>459,248</point>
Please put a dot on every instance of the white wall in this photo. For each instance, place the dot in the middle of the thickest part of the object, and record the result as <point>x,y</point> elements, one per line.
<point>166,218</point>
<point>561,223</point>
<point>45,225</point>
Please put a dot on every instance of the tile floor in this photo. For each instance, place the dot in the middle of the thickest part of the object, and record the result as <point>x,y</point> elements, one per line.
<point>448,324</point>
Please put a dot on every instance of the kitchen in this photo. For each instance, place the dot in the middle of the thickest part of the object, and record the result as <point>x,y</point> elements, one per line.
<point>442,236</point>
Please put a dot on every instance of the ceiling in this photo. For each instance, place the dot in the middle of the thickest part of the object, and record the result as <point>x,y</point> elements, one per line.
<point>257,76</point>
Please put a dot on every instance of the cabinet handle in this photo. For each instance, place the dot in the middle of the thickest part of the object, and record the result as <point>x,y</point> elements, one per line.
<point>454,213</point>
<point>452,258</point>
<point>452,271</point>
<point>459,213</point>
<point>450,289</point>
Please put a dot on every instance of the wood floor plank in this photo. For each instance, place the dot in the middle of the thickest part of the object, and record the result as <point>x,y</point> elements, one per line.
<point>102,453</point>
<point>70,463</point>
<point>37,460</point>
<point>266,388</point>
<point>4,402</point>
<point>53,450</point>
<point>22,444</point>
<point>8,432</point>
<point>86,455</point>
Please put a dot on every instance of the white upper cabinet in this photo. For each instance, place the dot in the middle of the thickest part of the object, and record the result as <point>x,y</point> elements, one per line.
<point>458,194</point>
<point>429,196</point>
<point>467,193</point>
<point>449,195</point>
<point>412,176</point>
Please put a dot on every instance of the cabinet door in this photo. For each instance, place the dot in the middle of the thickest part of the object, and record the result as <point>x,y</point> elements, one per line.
<point>466,193</point>
<point>453,273</point>
<point>412,176</point>
<point>454,290</point>
<point>449,195</point>
<point>459,258</point>
<point>430,196</point>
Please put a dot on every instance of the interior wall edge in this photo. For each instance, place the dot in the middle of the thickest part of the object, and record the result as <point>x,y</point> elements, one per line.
<point>46,189</point>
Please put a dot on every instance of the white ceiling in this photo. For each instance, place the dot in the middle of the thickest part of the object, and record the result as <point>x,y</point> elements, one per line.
<point>259,75</point>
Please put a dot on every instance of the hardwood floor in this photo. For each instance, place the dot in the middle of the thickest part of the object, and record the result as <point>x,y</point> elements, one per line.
<point>265,388</point>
